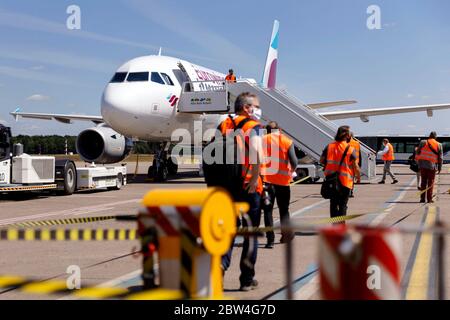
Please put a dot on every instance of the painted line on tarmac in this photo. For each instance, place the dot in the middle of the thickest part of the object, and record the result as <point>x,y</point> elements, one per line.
<point>304,210</point>
<point>67,212</point>
<point>281,294</point>
<point>418,268</point>
<point>311,287</point>
<point>390,205</point>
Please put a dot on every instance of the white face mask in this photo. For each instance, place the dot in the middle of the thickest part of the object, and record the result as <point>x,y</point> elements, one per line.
<point>257,114</point>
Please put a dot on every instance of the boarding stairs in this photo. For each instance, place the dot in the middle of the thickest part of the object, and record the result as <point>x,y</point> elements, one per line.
<point>310,131</point>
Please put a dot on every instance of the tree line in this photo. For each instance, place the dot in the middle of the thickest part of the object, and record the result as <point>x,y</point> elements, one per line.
<point>55,144</point>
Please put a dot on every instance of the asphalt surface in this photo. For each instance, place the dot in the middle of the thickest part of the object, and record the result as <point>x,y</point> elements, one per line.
<point>117,264</point>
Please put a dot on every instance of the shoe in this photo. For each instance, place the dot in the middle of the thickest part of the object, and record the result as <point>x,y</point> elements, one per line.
<point>418,188</point>
<point>269,245</point>
<point>422,200</point>
<point>381,182</point>
<point>431,201</point>
<point>395,181</point>
<point>253,285</point>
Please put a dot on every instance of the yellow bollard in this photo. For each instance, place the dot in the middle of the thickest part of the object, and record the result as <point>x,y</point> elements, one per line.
<point>195,227</point>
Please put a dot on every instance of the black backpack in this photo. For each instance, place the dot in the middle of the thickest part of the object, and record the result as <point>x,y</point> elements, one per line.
<point>226,174</point>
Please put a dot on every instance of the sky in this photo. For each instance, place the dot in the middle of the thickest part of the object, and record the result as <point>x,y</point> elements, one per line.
<point>326,53</point>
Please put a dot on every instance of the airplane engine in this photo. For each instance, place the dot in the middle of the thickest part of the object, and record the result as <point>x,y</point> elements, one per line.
<point>103,145</point>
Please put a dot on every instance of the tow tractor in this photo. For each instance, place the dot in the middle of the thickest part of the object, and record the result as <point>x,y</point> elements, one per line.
<point>22,172</point>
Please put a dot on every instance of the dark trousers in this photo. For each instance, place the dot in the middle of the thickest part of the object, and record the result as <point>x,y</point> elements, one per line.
<point>283,196</point>
<point>338,203</point>
<point>248,259</point>
<point>427,181</point>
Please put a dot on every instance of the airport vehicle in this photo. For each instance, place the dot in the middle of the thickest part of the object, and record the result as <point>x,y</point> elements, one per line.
<point>22,172</point>
<point>144,101</point>
<point>404,145</point>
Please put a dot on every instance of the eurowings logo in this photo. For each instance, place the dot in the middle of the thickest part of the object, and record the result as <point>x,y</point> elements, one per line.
<point>173,99</point>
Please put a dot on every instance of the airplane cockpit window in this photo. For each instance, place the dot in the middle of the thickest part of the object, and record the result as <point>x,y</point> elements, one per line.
<point>157,78</point>
<point>119,77</point>
<point>167,79</point>
<point>137,76</point>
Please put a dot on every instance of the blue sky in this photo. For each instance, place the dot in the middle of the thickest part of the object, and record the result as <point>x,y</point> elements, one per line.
<point>326,53</point>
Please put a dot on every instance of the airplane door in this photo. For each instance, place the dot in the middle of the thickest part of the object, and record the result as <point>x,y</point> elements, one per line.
<point>190,74</point>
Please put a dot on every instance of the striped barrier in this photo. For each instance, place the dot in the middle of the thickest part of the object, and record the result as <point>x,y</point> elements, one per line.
<point>28,188</point>
<point>59,287</point>
<point>68,235</point>
<point>194,229</point>
<point>359,264</point>
<point>58,222</point>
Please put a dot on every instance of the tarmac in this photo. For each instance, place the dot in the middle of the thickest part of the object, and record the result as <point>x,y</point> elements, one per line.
<point>119,264</point>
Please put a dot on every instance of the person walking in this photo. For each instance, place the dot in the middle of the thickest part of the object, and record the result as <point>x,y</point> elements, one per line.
<point>429,156</point>
<point>357,146</point>
<point>277,175</point>
<point>387,155</point>
<point>247,109</point>
<point>339,157</point>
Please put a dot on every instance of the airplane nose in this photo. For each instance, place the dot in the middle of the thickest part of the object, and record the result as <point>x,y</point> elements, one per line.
<point>113,102</point>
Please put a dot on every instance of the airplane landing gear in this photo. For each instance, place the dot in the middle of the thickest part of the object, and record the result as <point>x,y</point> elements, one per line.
<point>162,166</point>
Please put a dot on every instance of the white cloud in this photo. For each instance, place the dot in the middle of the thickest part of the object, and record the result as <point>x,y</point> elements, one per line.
<point>410,95</point>
<point>37,68</point>
<point>38,98</point>
<point>58,58</point>
<point>192,29</point>
<point>26,74</point>
<point>28,22</point>
<point>390,25</point>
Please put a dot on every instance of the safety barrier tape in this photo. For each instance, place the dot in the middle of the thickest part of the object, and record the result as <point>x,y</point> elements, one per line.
<point>28,188</point>
<point>301,180</point>
<point>252,230</point>
<point>57,222</point>
<point>68,235</point>
<point>58,287</point>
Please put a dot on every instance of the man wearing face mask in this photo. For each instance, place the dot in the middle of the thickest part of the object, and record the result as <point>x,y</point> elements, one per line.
<point>250,147</point>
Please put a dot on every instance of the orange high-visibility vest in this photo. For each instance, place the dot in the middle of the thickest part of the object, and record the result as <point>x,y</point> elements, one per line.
<point>357,146</point>
<point>277,170</point>
<point>334,155</point>
<point>230,78</point>
<point>389,156</point>
<point>426,153</point>
<point>227,127</point>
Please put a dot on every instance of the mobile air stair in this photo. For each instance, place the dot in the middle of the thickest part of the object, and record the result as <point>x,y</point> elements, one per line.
<point>310,131</point>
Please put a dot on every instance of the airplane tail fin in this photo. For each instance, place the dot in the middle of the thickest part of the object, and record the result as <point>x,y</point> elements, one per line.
<point>270,70</point>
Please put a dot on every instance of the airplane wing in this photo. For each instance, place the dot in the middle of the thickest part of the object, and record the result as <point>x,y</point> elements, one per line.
<point>330,104</point>
<point>64,118</point>
<point>364,114</point>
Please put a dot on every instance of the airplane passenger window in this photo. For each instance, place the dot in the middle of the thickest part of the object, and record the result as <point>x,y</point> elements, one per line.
<point>119,77</point>
<point>157,78</point>
<point>167,79</point>
<point>137,76</point>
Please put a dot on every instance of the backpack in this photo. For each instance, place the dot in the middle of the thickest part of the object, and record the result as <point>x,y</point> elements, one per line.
<point>227,175</point>
<point>331,185</point>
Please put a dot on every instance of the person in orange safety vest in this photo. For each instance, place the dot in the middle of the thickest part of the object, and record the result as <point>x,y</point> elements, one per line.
<point>429,157</point>
<point>357,146</point>
<point>280,163</point>
<point>387,155</point>
<point>331,159</point>
<point>247,109</point>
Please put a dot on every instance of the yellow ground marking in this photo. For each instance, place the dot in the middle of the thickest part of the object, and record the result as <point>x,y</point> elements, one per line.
<point>418,283</point>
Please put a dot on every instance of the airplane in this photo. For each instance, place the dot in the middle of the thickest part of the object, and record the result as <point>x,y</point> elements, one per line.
<point>141,103</point>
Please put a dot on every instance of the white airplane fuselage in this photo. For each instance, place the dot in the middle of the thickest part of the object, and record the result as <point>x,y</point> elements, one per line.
<point>136,104</point>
